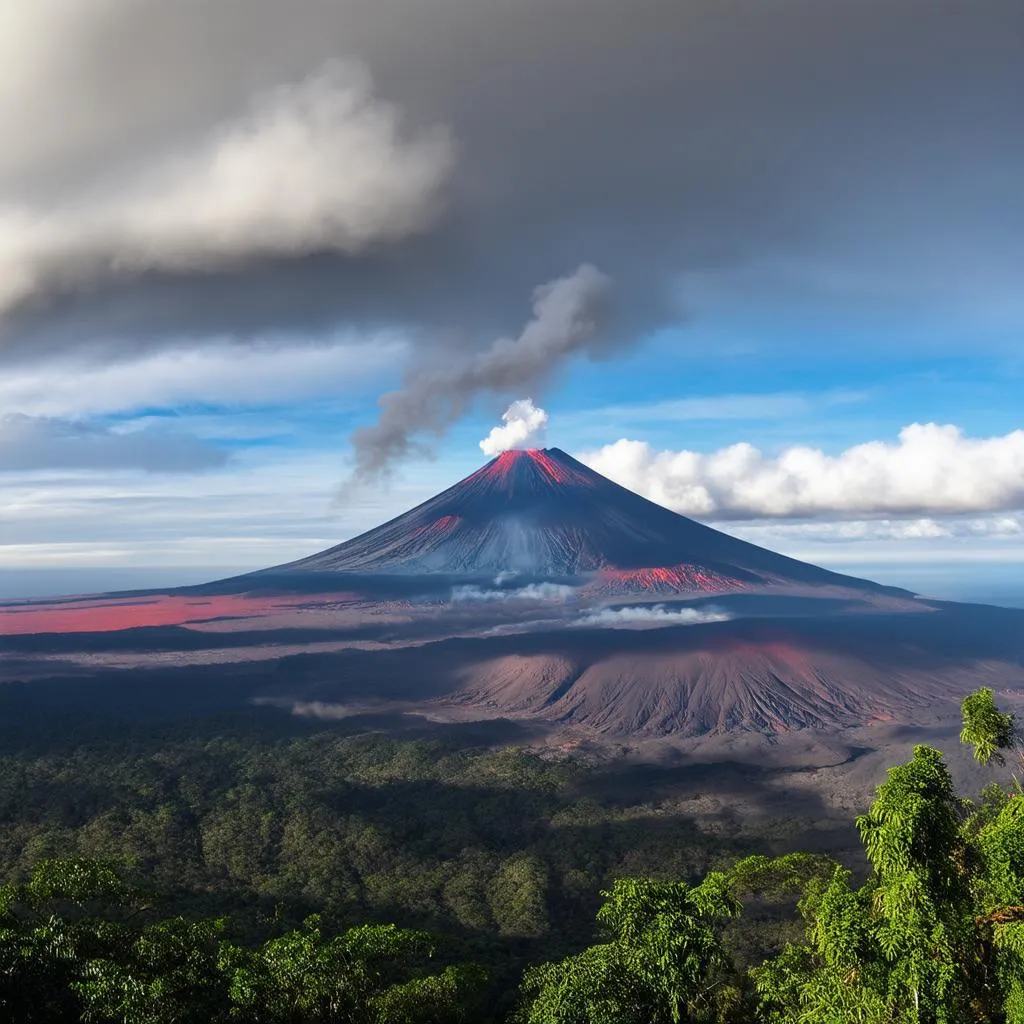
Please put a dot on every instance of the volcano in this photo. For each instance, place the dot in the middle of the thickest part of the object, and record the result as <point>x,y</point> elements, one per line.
<point>536,589</point>
<point>541,513</point>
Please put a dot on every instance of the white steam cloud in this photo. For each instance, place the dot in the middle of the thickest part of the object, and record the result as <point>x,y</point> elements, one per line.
<point>524,427</point>
<point>531,592</point>
<point>640,616</point>
<point>931,469</point>
<point>314,166</point>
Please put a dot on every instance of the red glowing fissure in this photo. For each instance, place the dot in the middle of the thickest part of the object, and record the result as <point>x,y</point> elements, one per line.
<point>676,578</point>
<point>555,470</point>
<point>439,527</point>
<point>503,469</point>
<point>500,470</point>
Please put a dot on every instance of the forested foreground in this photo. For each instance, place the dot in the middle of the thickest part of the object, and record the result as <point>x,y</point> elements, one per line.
<point>164,877</point>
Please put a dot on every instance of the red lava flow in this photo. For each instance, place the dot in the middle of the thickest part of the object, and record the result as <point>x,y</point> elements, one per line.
<point>439,527</point>
<point>673,578</point>
<point>106,615</point>
<point>558,472</point>
<point>503,469</point>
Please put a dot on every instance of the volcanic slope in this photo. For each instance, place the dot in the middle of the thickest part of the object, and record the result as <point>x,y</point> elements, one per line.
<point>543,513</point>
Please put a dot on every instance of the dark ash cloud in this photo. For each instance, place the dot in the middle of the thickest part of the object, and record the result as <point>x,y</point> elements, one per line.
<point>880,142</point>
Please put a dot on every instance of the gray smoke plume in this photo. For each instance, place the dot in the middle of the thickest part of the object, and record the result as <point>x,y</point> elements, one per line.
<point>568,316</point>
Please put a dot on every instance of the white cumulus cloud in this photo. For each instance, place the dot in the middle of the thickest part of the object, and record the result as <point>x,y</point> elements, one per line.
<point>524,427</point>
<point>321,164</point>
<point>930,469</point>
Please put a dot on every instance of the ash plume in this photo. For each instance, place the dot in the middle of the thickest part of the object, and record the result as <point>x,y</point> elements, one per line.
<point>261,198</point>
<point>568,316</point>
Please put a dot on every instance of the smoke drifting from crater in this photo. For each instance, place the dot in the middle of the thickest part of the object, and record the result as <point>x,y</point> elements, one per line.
<point>569,315</point>
<point>524,427</point>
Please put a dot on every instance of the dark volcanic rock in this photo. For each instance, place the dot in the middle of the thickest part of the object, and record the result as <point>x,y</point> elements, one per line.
<point>540,512</point>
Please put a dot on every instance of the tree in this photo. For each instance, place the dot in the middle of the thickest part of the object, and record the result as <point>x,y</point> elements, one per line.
<point>48,928</point>
<point>354,978</point>
<point>936,934</point>
<point>516,897</point>
<point>76,948</point>
<point>169,974</point>
<point>986,728</point>
<point>663,964</point>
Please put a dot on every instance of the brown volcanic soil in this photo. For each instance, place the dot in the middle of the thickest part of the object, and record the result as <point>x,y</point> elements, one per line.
<point>766,689</point>
<point>715,678</point>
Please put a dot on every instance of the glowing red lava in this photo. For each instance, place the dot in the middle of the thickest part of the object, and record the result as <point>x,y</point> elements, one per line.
<point>505,469</point>
<point>501,469</point>
<point>439,527</point>
<point>556,470</point>
<point>101,615</point>
<point>672,579</point>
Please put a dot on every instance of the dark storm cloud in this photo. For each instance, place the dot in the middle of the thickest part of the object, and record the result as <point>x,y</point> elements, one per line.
<point>33,442</point>
<point>878,140</point>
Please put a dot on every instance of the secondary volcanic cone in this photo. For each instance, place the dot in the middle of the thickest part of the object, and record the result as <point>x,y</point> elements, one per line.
<point>541,512</point>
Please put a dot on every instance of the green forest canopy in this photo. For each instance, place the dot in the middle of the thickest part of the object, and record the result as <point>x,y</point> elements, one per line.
<point>179,879</point>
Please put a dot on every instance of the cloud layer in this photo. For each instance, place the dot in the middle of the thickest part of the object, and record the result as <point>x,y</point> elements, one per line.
<point>223,374</point>
<point>317,166</point>
<point>33,443</point>
<point>661,141</point>
<point>931,469</point>
<point>530,592</point>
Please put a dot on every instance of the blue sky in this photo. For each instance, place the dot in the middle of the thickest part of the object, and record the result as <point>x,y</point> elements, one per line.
<point>270,490</point>
<point>805,325</point>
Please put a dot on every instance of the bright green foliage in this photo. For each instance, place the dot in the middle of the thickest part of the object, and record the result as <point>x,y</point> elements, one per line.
<point>663,962</point>
<point>47,935</point>
<point>936,934</point>
<point>986,728</point>
<point>447,996</point>
<point>774,878</point>
<point>354,977</point>
<point>73,948</point>
<point>169,974</point>
<point>495,845</point>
